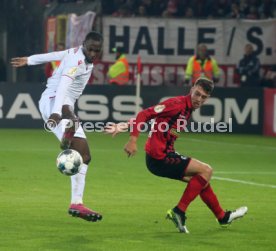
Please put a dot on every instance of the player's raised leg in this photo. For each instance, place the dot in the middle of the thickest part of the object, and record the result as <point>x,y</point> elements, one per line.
<point>224,218</point>
<point>210,199</point>
<point>77,207</point>
<point>230,216</point>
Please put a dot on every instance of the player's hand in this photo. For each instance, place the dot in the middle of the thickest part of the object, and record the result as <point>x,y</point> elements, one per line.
<point>54,118</point>
<point>114,129</point>
<point>131,146</point>
<point>19,62</point>
<point>53,121</point>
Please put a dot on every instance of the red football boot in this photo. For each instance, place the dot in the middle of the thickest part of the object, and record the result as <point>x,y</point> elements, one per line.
<point>79,210</point>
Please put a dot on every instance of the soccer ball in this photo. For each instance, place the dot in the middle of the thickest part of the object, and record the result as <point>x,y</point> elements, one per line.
<point>69,162</point>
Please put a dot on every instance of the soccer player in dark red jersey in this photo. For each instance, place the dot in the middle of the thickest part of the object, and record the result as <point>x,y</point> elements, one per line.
<point>162,159</point>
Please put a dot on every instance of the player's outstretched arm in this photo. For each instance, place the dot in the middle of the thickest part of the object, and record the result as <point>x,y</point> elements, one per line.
<point>46,57</point>
<point>19,62</point>
<point>38,59</point>
<point>114,129</point>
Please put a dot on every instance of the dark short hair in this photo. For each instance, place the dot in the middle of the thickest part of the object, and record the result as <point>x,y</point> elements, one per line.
<point>206,84</point>
<point>94,35</point>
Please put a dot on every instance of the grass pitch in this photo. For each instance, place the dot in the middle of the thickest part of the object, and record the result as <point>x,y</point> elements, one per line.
<point>35,196</point>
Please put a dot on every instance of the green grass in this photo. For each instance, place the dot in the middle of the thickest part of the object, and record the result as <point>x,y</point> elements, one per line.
<point>35,196</point>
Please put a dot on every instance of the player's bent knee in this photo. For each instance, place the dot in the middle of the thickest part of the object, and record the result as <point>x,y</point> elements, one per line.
<point>208,170</point>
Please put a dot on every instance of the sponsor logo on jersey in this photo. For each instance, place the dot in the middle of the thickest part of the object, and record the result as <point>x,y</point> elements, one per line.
<point>72,71</point>
<point>159,108</point>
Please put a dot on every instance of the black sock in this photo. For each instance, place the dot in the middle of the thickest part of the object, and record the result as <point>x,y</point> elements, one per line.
<point>178,211</point>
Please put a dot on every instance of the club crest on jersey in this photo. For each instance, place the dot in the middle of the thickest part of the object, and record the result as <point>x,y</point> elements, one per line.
<point>72,71</point>
<point>159,108</point>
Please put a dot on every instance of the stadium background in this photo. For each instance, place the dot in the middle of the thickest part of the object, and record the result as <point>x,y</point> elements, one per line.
<point>38,26</point>
<point>34,194</point>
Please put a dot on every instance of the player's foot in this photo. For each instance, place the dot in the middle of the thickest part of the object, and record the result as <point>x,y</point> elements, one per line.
<point>79,210</point>
<point>232,215</point>
<point>178,219</point>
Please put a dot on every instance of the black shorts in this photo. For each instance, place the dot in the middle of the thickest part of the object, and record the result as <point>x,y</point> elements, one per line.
<point>173,166</point>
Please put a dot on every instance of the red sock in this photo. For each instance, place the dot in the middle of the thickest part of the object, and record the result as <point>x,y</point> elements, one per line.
<point>193,189</point>
<point>210,199</point>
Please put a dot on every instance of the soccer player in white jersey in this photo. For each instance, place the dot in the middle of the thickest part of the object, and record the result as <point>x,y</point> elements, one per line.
<point>57,107</point>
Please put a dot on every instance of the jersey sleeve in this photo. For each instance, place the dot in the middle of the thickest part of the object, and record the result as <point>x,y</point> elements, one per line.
<point>46,57</point>
<point>169,107</point>
<point>61,93</point>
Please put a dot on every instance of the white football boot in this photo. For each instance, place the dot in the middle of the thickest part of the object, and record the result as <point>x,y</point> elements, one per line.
<point>230,216</point>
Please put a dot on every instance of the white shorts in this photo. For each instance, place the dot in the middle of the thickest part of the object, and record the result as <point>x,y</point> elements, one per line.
<point>46,105</point>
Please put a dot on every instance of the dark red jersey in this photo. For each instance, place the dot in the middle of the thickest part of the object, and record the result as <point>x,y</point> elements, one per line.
<point>169,118</point>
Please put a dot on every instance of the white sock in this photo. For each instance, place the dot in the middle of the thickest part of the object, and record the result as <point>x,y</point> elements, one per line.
<point>77,185</point>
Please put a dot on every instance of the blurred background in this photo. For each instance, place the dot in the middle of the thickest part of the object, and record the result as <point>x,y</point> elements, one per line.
<point>36,26</point>
<point>234,42</point>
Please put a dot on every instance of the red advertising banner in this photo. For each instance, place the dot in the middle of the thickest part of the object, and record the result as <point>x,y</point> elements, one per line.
<point>163,74</point>
<point>269,112</point>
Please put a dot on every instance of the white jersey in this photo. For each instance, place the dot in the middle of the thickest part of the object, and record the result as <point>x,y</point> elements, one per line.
<point>69,79</point>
